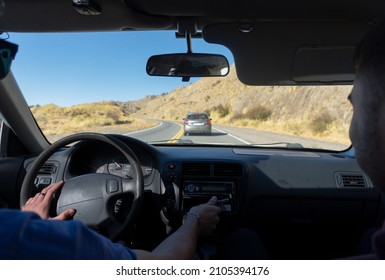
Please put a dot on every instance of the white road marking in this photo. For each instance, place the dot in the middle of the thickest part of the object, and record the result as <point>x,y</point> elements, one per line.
<point>137,131</point>
<point>233,136</point>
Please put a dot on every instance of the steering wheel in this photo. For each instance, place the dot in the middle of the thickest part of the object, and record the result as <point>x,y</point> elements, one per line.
<point>94,196</point>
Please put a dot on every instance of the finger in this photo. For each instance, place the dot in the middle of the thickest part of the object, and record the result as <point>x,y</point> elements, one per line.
<point>49,191</point>
<point>212,200</point>
<point>29,201</point>
<point>54,187</point>
<point>36,197</point>
<point>66,215</point>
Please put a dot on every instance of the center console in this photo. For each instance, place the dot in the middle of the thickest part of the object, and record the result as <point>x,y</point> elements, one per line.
<point>186,184</point>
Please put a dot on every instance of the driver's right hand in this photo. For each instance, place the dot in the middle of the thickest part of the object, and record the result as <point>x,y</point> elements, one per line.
<point>208,214</point>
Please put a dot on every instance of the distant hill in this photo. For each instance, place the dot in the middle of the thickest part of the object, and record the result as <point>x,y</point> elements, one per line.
<point>321,112</point>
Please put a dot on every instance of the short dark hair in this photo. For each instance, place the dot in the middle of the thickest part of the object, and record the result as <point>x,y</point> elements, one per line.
<point>371,50</point>
<point>369,60</point>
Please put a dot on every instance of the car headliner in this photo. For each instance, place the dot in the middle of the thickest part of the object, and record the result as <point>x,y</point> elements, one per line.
<point>271,41</point>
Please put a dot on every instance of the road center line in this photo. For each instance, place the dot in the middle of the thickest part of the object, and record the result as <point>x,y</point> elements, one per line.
<point>177,135</point>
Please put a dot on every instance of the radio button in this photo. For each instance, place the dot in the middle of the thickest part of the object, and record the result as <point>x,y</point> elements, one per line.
<point>171,166</point>
<point>190,188</point>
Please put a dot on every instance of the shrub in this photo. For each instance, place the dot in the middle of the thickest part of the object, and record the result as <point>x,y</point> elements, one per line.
<point>259,112</point>
<point>236,116</point>
<point>321,122</point>
<point>221,110</point>
<point>114,115</point>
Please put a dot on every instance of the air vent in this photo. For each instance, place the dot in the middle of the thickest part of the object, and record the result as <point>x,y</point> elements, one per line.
<point>48,168</point>
<point>352,181</point>
<point>228,170</point>
<point>195,169</point>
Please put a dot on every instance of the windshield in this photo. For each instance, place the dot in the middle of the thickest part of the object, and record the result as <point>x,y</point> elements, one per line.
<point>98,82</point>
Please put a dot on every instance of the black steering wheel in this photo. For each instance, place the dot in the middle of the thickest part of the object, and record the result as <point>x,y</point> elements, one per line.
<point>94,196</point>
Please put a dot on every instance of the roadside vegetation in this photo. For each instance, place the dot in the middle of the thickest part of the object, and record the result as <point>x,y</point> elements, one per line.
<point>104,117</point>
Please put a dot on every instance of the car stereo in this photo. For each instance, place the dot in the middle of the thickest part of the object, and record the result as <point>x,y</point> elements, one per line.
<point>197,192</point>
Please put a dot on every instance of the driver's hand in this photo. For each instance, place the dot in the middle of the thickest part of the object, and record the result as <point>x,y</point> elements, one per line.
<point>41,202</point>
<point>208,214</point>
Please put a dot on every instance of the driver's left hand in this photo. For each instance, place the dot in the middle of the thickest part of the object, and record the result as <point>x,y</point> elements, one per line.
<point>41,202</point>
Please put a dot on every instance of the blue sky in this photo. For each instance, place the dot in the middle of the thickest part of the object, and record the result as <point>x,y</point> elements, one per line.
<point>67,69</point>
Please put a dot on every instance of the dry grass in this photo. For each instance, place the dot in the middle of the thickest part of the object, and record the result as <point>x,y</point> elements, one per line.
<point>104,117</point>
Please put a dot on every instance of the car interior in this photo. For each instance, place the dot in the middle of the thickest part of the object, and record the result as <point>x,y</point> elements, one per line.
<point>304,202</point>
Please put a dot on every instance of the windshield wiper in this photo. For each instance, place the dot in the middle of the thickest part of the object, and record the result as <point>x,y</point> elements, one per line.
<point>287,145</point>
<point>172,141</point>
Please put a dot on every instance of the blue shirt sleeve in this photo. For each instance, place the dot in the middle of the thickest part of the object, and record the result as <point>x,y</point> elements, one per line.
<point>23,235</point>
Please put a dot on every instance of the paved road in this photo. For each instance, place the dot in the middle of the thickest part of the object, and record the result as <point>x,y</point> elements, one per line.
<point>172,131</point>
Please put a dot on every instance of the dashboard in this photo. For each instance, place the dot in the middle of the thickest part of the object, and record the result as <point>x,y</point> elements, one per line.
<point>305,193</point>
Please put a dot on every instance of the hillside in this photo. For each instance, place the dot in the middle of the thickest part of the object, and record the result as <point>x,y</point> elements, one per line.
<point>320,112</point>
<point>308,111</point>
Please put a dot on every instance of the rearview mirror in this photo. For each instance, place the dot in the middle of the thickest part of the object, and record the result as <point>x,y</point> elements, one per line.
<point>8,51</point>
<point>188,65</point>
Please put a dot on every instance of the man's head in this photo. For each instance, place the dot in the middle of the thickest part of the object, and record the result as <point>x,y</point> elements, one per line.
<point>367,130</point>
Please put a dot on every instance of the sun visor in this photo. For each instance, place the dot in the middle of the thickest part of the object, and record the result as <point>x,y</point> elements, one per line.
<point>324,64</point>
<point>290,53</point>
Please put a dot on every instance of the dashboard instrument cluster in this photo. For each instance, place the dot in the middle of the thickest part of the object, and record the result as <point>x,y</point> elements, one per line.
<point>99,157</point>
